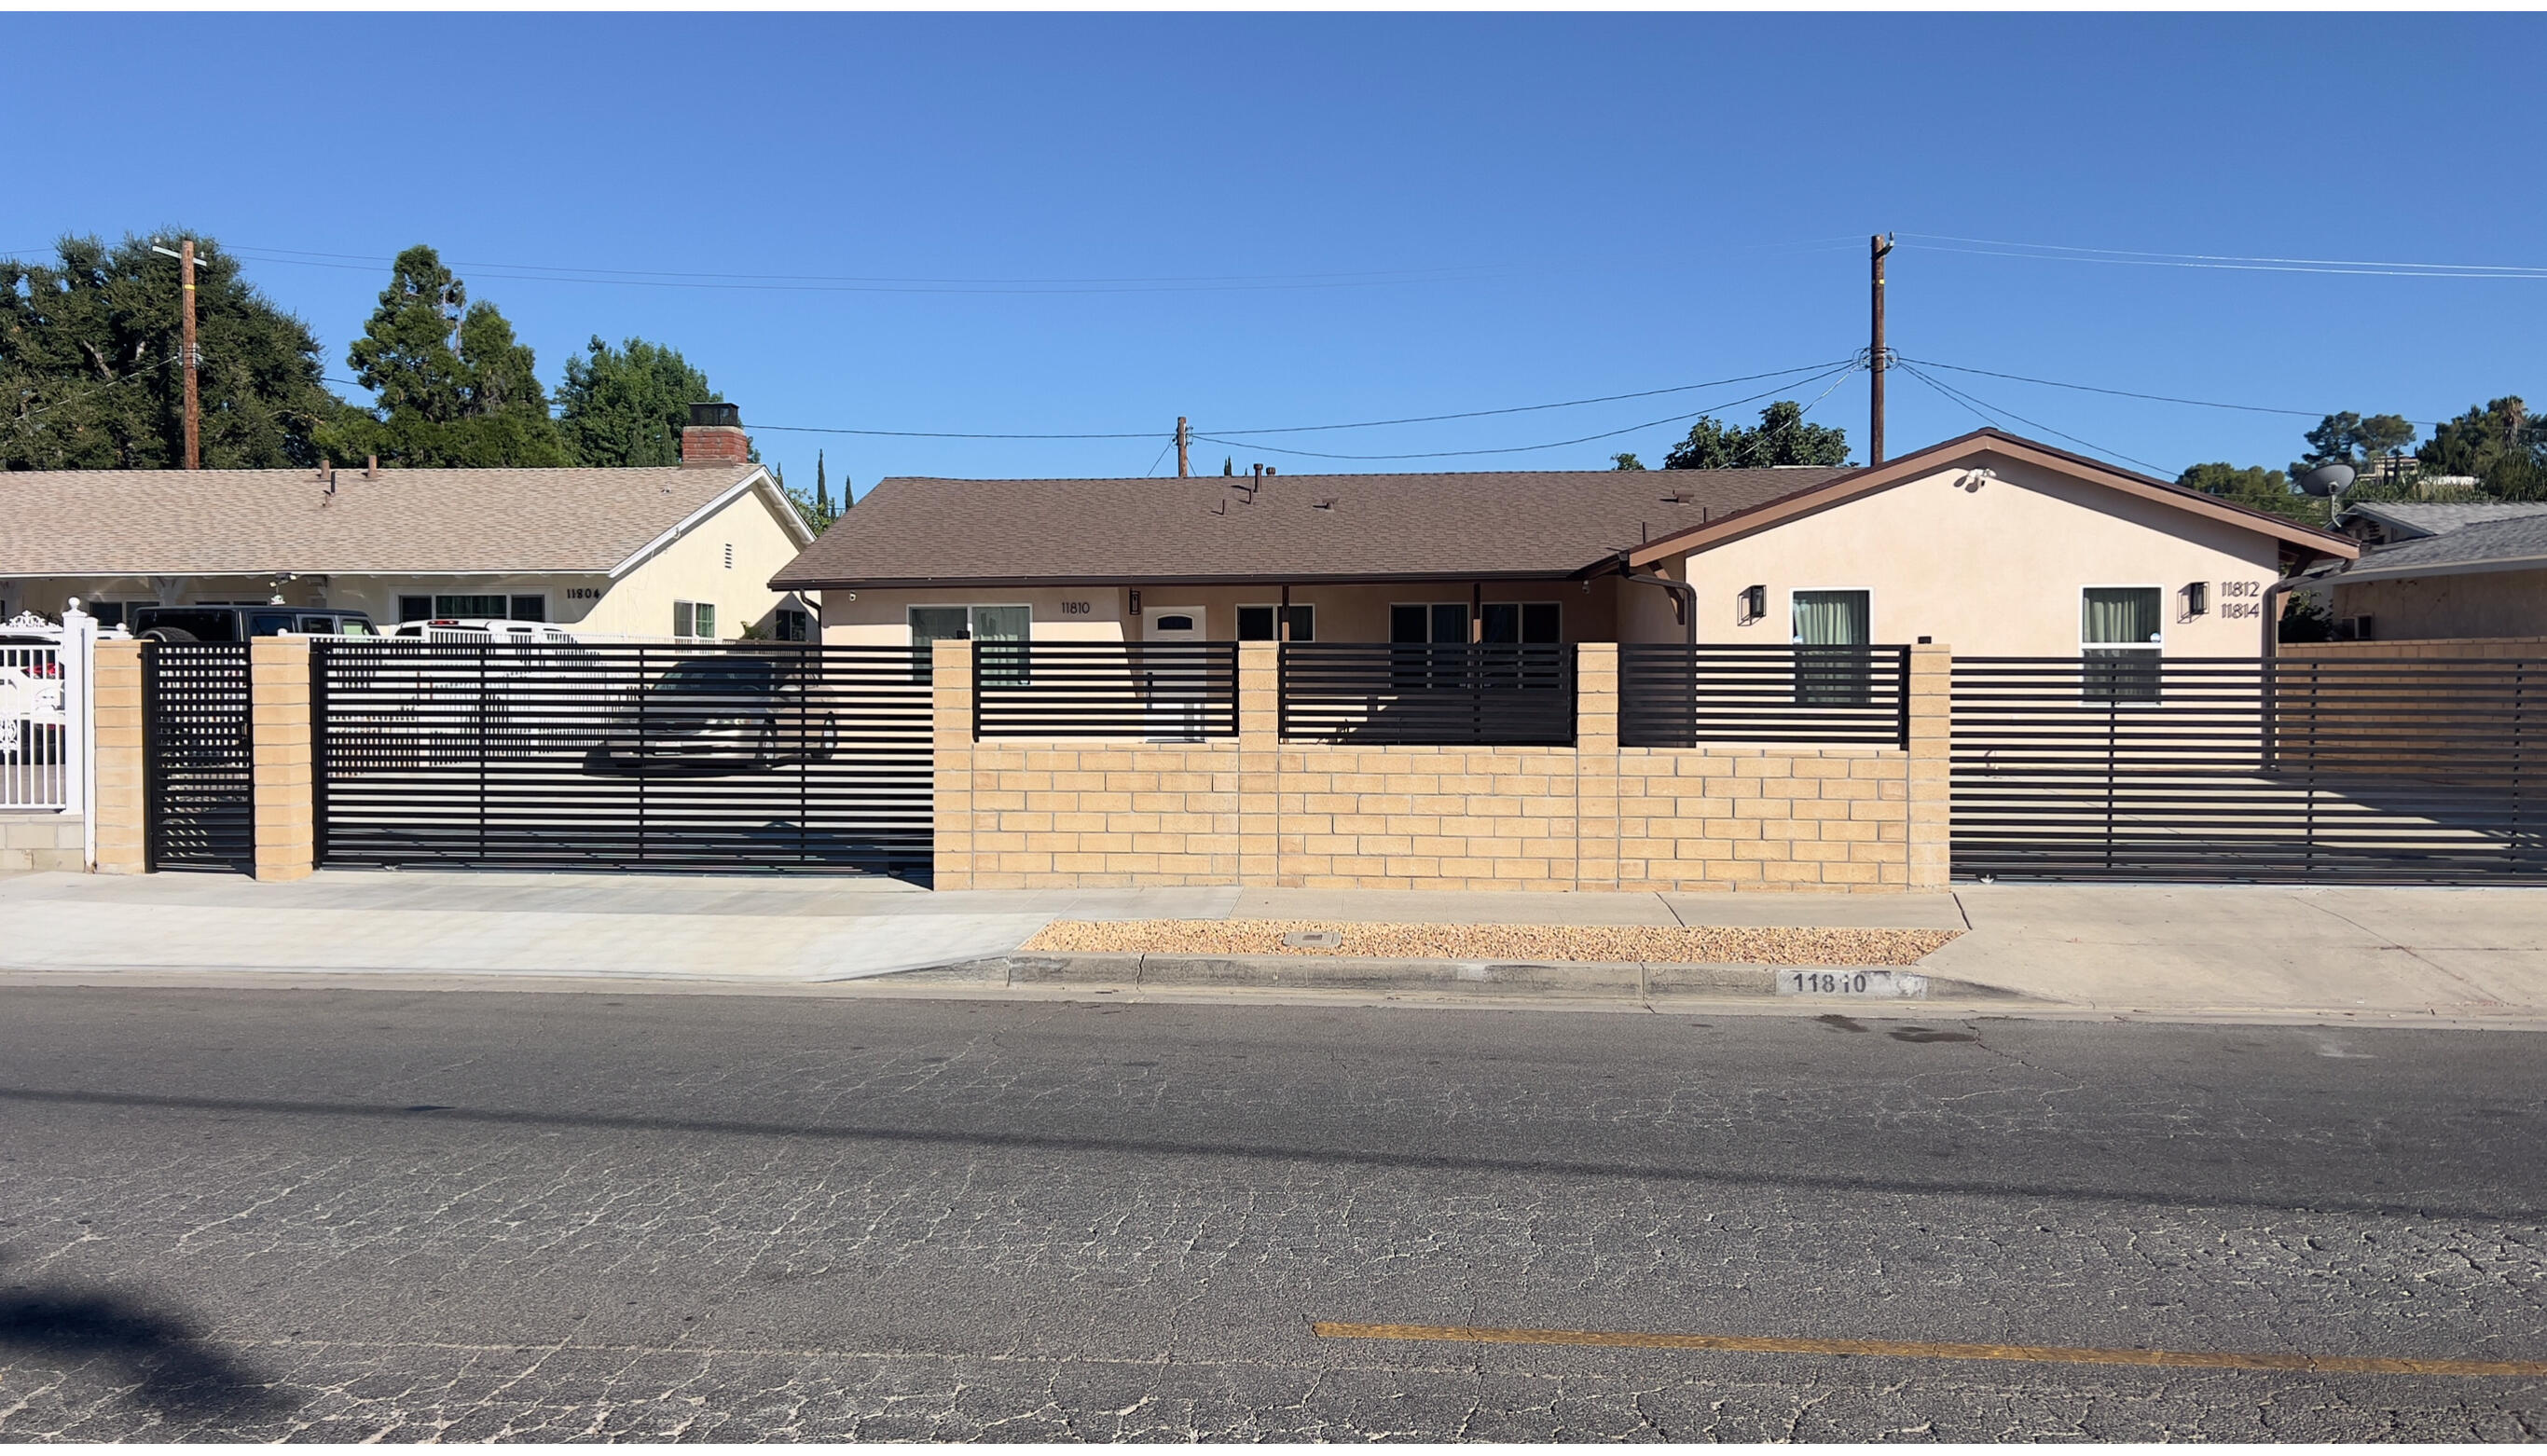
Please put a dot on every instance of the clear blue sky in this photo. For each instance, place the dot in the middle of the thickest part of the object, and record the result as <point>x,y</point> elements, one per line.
<point>1529,208</point>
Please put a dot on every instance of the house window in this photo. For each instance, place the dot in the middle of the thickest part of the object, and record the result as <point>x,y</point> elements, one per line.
<point>451,605</point>
<point>414,609</point>
<point>1436,622</point>
<point>1520,622</point>
<point>791,625</point>
<point>1830,630</point>
<point>981,625</point>
<point>694,619</point>
<point>530,609</point>
<point>2120,641</point>
<point>1255,624</point>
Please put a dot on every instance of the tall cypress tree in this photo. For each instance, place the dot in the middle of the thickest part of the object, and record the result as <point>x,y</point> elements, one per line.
<point>822,490</point>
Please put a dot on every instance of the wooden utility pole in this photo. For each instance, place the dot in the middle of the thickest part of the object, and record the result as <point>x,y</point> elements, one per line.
<point>1877,247</point>
<point>1183,466</point>
<point>186,296</point>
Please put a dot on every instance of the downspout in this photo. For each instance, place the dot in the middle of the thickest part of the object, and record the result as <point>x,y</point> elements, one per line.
<point>1684,597</point>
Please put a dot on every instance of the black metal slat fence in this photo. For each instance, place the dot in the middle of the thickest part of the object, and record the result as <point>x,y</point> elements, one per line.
<point>1174,692</point>
<point>1416,695</point>
<point>681,756</point>
<point>2403,770</point>
<point>1672,696</point>
<point>199,794</point>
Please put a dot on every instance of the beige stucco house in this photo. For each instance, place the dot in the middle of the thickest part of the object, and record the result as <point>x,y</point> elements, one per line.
<point>675,551</point>
<point>2440,572</point>
<point>1993,544</point>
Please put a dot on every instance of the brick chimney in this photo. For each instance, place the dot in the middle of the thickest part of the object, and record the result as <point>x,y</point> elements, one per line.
<point>714,437</point>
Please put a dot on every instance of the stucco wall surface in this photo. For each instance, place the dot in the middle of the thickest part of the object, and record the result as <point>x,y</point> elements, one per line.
<point>2486,604</point>
<point>1993,566</point>
<point>1347,613</point>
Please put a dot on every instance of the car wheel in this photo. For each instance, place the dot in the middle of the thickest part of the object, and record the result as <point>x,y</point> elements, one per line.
<point>169,635</point>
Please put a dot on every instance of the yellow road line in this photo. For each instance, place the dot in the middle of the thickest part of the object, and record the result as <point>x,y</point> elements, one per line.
<point>1926,1350</point>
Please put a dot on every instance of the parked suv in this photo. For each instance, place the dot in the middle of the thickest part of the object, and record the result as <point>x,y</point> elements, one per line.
<point>738,707</point>
<point>238,623</point>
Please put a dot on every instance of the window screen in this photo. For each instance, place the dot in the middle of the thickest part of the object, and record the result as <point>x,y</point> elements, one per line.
<point>684,618</point>
<point>447,605</point>
<point>530,609</point>
<point>414,609</point>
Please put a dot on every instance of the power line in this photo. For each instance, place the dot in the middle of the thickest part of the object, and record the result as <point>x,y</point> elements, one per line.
<point>1844,368</point>
<point>1371,273</point>
<point>1420,419</point>
<point>2134,394</point>
<point>28,417</point>
<point>1973,400</point>
<point>815,284</point>
<point>2064,253</point>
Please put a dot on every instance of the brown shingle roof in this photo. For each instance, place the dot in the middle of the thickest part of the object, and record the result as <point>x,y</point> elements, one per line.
<point>912,530</point>
<point>180,523</point>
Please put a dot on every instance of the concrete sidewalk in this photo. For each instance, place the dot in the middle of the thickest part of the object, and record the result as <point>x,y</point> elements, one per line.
<point>2476,956</point>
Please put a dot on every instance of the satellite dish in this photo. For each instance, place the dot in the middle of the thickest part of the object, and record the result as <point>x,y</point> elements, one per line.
<point>2326,480</point>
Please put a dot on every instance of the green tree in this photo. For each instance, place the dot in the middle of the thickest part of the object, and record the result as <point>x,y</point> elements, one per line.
<point>626,406</point>
<point>817,507</point>
<point>1626,461</point>
<point>2256,488</point>
<point>2359,441</point>
<point>1783,439</point>
<point>89,370</point>
<point>2499,443</point>
<point>452,384</point>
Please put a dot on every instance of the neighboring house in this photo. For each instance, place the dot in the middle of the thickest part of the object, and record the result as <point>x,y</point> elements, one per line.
<point>1989,543</point>
<point>683,551</point>
<point>2475,570</point>
<point>2377,523</point>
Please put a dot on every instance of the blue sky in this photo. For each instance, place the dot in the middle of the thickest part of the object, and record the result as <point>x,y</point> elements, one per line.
<point>1356,218</point>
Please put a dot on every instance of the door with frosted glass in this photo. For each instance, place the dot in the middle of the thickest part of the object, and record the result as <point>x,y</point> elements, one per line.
<point>1831,635</point>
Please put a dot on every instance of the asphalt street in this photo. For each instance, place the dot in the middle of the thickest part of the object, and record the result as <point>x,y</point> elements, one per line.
<point>348,1215</point>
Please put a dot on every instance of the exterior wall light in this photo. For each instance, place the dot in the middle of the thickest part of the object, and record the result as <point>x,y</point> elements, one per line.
<point>1755,603</point>
<point>2197,598</point>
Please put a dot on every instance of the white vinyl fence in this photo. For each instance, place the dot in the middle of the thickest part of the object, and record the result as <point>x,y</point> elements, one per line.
<point>45,713</point>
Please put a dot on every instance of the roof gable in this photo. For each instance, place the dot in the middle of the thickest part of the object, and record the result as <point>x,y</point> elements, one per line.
<point>1975,446</point>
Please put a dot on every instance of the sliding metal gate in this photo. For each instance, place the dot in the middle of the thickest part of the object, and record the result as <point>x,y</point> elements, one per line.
<point>568,756</point>
<point>198,802</point>
<point>2368,770</point>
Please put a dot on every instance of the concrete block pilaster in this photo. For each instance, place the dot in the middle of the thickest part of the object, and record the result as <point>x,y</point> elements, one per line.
<point>950,680</point>
<point>120,807</point>
<point>278,670</point>
<point>1932,730</point>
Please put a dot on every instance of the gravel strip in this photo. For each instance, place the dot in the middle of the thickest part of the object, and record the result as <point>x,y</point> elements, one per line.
<point>1670,944</point>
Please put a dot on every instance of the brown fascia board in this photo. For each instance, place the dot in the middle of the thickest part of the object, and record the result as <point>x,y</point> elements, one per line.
<point>896,583</point>
<point>1872,478</point>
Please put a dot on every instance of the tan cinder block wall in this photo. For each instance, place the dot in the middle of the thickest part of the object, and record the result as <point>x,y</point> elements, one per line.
<point>119,805</point>
<point>278,725</point>
<point>1019,815</point>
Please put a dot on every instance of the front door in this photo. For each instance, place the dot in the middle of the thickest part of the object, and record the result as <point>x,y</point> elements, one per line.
<point>1171,683</point>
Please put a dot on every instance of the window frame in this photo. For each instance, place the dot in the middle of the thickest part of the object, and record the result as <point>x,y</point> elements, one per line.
<point>2110,693</point>
<point>1299,611</point>
<point>1427,609</point>
<point>1521,620</point>
<point>1868,592</point>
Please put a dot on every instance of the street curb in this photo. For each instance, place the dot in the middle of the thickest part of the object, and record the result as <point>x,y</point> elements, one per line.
<point>1603,980</point>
